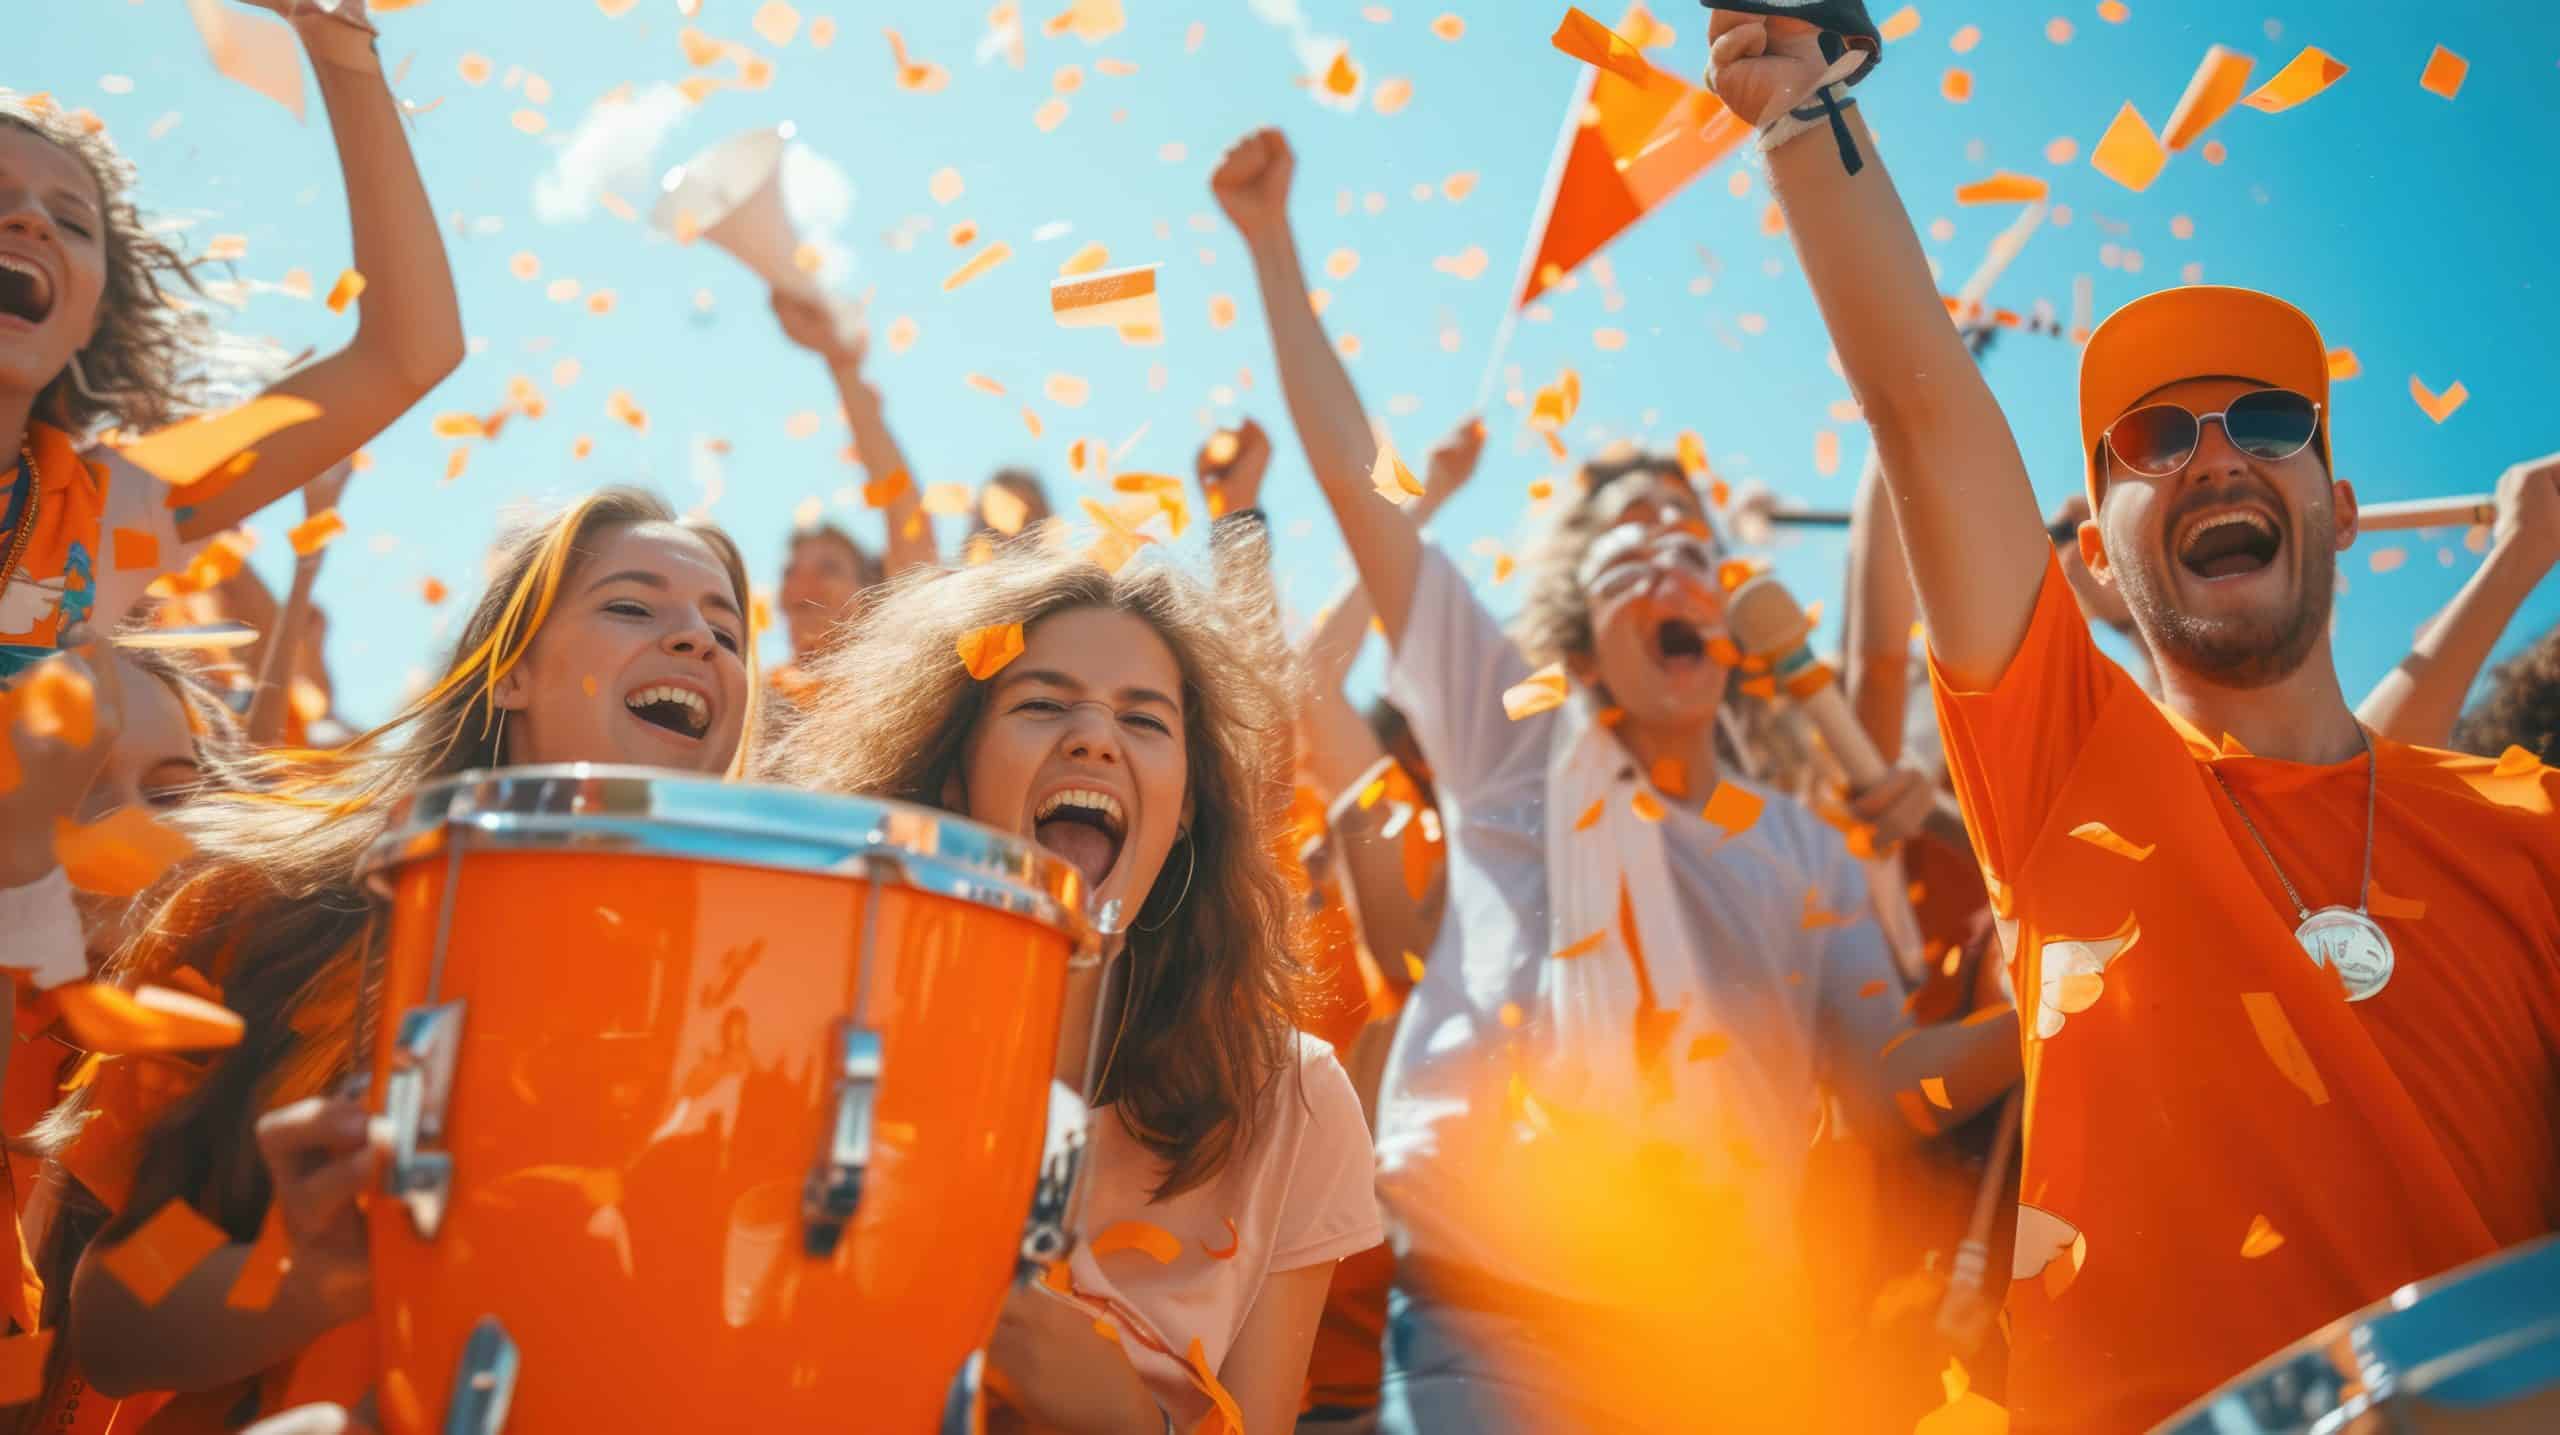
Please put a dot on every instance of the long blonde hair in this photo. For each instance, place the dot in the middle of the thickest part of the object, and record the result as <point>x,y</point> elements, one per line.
<point>270,907</point>
<point>1212,994</point>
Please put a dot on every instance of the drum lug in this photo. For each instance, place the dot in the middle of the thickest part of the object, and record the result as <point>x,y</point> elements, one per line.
<point>484,1383</point>
<point>834,1191</point>
<point>413,1100</point>
<point>1049,1233</point>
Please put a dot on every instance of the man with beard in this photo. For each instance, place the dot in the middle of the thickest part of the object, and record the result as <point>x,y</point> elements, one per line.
<point>2288,988</point>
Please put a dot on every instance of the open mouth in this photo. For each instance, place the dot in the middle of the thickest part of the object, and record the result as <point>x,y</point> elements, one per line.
<point>1084,826</point>
<point>2229,543</point>
<point>1679,644</point>
<point>25,292</point>
<point>681,711</point>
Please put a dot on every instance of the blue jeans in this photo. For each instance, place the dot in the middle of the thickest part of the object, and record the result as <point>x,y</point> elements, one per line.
<point>1452,1371</point>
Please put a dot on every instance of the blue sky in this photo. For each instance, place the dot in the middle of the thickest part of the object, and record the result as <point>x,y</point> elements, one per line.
<point>2415,230</point>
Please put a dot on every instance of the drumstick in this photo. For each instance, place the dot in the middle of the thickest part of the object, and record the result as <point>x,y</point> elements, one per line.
<point>2427,513</point>
<point>1962,1314</point>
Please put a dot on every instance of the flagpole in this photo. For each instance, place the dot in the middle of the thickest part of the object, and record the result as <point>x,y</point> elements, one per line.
<point>1514,301</point>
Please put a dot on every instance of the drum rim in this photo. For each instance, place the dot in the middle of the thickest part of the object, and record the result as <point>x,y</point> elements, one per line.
<point>2200,1410</point>
<point>591,806</point>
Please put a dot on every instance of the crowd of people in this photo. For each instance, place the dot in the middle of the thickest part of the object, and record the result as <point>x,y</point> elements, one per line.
<point>1564,1040</point>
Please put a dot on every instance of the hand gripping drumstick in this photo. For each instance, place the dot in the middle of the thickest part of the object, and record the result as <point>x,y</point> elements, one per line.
<point>1767,623</point>
<point>2478,508</point>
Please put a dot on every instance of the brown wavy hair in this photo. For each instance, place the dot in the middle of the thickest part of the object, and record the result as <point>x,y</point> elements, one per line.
<point>271,907</point>
<point>144,359</point>
<point>2521,707</point>
<point>1211,1000</point>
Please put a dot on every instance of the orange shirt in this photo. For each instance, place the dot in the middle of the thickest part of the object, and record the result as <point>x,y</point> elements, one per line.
<point>2222,1152</point>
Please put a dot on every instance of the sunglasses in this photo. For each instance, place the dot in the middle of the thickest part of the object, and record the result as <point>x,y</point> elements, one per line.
<point>2157,440</point>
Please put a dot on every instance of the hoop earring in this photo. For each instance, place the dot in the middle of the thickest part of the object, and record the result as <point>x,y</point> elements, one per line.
<point>1190,849</point>
<point>80,381</point>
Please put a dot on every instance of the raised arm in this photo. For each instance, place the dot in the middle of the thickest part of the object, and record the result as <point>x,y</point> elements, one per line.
<point>1252,186</point>
<point>2420,700</point>
<point>817,327</point>
<point>409,325</point>
<point>1966,510</point>
<point>1876,616</point>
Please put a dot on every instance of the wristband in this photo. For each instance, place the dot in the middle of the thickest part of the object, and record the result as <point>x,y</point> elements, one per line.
<point>1251,514</point>
<point>1824,105</point>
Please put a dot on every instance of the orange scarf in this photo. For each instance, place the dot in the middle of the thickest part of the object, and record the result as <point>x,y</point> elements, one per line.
<point>55,583</point>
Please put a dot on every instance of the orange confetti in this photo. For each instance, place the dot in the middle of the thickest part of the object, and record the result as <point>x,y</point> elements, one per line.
<point>118,855</point>
<point>1595,44</point>
<point>986,652</point>
<point>1591,816</point>
<point>532,122</point>
<point>1646,805</point>
<point>1143,1236</point>
<point>2438,407</point>
<point>1448,27</point>
<point>2104,838</point>
<point>163,1251</point>
<point>314,533</point>
<point>2129,153</point>
<point>1671,775</point>
<point>2343,365</point>
<point>1609,341</point>
<point>1458,186</point>
<point>1222,311</point>
<point>1341,263</point>
<point>886,489</point>
<point>149,1019</point>
<point>921,78</point>
<point>195,449</point>
<point>776,23</point>
<point>2003,188</point>
<point>1234,1242</point>
<point>135,548</point>
<point>350,284</point>
<point>2263,1239</point>
<point>1341,79</point>
<point>2444,73</point>
<point>1826,452</point>
<point>262,1273</point>
<point>2113,11</point>
<point>1051,114</point>
<point>1540,692</point>
<point>979,263</point>
<point>1201,1375</point>
<point>902,334</point>
<point>1392,95</point>
<point>2384,560</point>
<point>2277,1038</point>
<point>1902,24</point>
<point>1093,257</point>
<point>2306,75</point>
<point>1957,85</point>
<point>1394,482</point>
<point>1733,808</point>
<point>56,702</point>
<point>822,31</point>
<point>1510,1015</point>
<point>1935,1088</point>
<point>1584,947</point>
<point>432,590</point>
<point>2220,80</point>
<point>1709,1046</point>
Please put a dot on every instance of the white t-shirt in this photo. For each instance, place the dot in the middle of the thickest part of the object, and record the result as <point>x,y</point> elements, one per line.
<point>1794,1002</point>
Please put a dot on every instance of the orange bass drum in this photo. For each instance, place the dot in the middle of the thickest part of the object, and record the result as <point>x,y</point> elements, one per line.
<point>711,1106</point>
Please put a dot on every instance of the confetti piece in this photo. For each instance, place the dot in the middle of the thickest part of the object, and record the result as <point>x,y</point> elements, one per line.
<point>1956,85</point>
<point>150,1019</point>
<point>1591,816</point>
<point>2220,80</point>
<point>902,335</point>
<point>1646,805</point>
<point>2305,76</point>
<point>1394,482</point>
<point>986,652</point>
<point>1234,1242</point>
<point>1111,298</point>
<point>162,1252</point>
<point>1735,809</point>
<point>1448,26</point>
<point>2113,11</point>
<point>1341,264</point>
<point>2384,560</point>
<point>1826,452</point>
<point>2444,73</point>
<point>192,450</point>
<point>432,590</point>
<point>2343,365</point>
<point>262,1273</point>
<point>2516,762</point>
<point>532,122</point>
<point>1413,966</point>
<point>1671,775</point>
<point>1595,44</point>
<point>2438,407</point>
<point>887,489</point>
<point>1609,341</point>
<point>118,855</point>
<point>776,23</point>
<point>256,51</point>
<point>1935,1088</point>
<point>1902,24</point>
<point>2129,153</point>
<point>1051,114</point>
<point>2003,188</point>
<point>2104,838</point>
<point>2263,1239</point>
<point>2277,1038</point>
<point>979,263</point>
<point>919,78</point>
<point>2408,909</point>
<point>314,533</point>
<point>1004,510</point>
<point>1228,1411</point>
<point>2062,150</point>
<point>1458,186</point>
<point>1584,947</point>
<point>1510,1015</point>
<point>57,703</point>
<point>1143,1236</point>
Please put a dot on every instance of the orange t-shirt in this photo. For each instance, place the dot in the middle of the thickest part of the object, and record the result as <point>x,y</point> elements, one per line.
<point>2222,1152</point>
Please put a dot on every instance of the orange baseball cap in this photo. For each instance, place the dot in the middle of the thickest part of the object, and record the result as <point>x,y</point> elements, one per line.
<point>2193,332</point>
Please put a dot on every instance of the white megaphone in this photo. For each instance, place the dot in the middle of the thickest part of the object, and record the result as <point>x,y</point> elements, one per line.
<point>731,195</point>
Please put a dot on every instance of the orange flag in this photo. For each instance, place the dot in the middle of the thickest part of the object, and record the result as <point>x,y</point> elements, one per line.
<point>1649,136</point>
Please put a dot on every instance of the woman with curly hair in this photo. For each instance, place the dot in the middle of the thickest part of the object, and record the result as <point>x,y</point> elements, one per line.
<point>589,617</point>
<point>92,337</point>
<point>1142,732</point>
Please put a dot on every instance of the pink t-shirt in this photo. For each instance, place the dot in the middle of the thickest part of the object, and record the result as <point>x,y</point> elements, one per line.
<point>1304,1194</point>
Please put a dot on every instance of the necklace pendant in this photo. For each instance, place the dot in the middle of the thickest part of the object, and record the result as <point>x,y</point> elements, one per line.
<point>2351,944</point>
